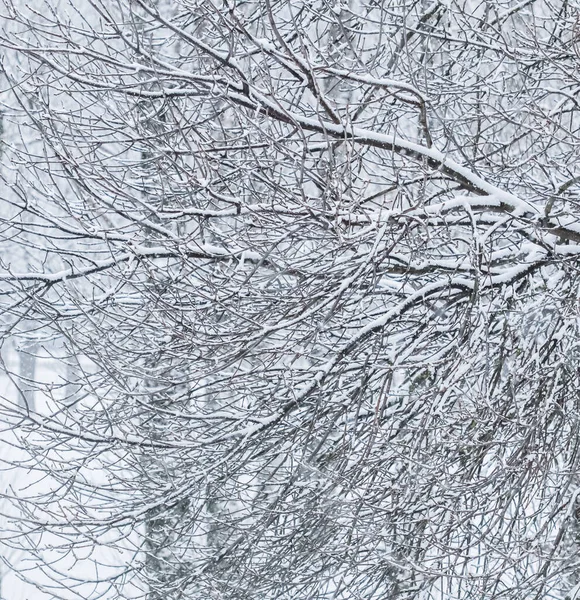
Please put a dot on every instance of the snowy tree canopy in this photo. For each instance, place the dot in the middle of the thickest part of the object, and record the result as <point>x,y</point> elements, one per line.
<point>307,276</point>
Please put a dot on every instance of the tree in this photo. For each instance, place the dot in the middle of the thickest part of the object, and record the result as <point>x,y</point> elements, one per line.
<point>317,265</point>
